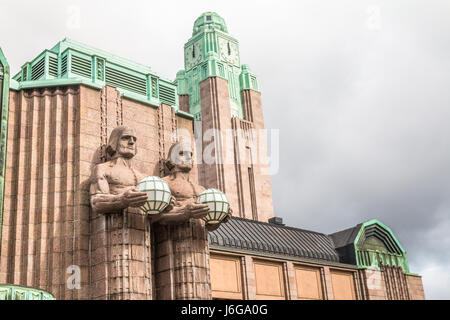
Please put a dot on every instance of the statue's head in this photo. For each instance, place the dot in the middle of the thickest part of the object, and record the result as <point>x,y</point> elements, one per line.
<point>180,157</point>
<point>122,143</point>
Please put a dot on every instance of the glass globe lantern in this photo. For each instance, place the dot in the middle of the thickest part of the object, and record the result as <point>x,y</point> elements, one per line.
<point>218,205</point>
<point>158,194</point>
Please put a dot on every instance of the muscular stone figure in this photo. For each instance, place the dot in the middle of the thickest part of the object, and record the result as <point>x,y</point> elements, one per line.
<point>185,242</point>
<point>183,189</point>
<point>113,183</point>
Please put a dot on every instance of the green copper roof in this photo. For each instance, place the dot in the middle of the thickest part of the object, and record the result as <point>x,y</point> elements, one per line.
<point>209,20</point>
<point>370,245</point>
<point>13,292</point>
<point>375,244</point>
<point>70,62</point>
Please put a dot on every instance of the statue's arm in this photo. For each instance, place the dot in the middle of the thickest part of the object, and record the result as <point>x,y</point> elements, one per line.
<point>178,213</point>
<point>173,215</point>
<point>103,202</point>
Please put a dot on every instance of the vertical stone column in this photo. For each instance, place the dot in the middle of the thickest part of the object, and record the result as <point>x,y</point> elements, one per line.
<point>216,115</point>
<point>182,261</point>
<point>328,285</point>
<point>253,113</point>
<point>291,284</point>
<point>249,274</point>
<point>184,102</point>
<point>244,148</point>
<point>395,283</point>
<point>128,256</point>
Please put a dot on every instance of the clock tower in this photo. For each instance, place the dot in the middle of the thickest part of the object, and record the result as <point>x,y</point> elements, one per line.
<point>211,51</point>
<point>223,95</point>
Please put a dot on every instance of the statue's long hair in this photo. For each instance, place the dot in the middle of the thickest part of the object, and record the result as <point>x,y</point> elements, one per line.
<point>114,139</point>
<point>169,164</point>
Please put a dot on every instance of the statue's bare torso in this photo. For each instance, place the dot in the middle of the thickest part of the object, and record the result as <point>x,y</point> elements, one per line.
<point>184,190</point>
<point>115,177</point>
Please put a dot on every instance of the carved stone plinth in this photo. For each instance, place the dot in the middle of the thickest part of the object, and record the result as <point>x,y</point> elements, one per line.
<point>181,266</point>
<point>121,257</point>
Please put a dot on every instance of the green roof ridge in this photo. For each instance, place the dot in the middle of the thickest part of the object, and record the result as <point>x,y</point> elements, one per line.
<point>70,43</point>
<point>368,258</point>
<point>71,62</point>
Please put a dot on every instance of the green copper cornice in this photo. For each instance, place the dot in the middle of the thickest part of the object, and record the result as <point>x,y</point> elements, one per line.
<point>67,43</point>
<point>376,244</point>
<point>184,114</point>
<point>72,62</point>
<point>13,292</point>
<point>182,83</point>
<point>4,104</point>
<point>247,79</point>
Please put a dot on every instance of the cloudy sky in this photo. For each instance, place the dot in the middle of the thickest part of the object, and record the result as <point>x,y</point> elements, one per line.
<point>359,90</point>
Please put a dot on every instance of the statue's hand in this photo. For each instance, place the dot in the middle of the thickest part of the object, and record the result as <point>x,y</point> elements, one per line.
<point>180,213</point>
<point>134,198</point>
<point>197,210</point>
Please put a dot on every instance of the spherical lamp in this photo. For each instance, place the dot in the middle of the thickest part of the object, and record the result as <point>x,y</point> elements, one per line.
<point>218,205</point>
<point>158,194</point>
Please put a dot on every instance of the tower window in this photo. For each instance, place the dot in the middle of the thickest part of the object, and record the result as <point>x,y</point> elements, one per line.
<point>208,18</point>
<point>193,51</point>
<point>229,48</point>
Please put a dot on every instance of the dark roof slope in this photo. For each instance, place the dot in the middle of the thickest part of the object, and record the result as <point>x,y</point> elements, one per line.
<point>271,238</point>
<point>345,237</point>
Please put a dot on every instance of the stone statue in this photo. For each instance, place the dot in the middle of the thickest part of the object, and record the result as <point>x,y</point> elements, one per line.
<point>184,190</point>
<point>113,183</point>
<point>120,228</point>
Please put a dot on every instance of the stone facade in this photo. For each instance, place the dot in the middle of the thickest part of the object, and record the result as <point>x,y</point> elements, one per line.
<point>55,137</point>
<point>241,167</point>
<point>46,215</point>
<point>415,287</point>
